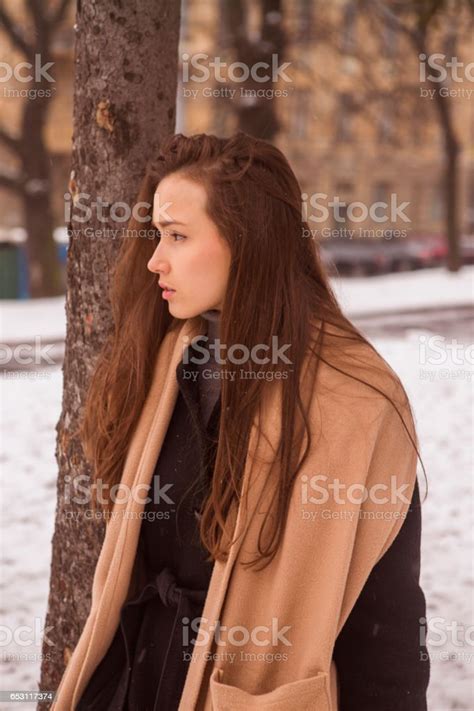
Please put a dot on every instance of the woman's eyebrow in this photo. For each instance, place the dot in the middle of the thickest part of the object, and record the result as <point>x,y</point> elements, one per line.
<point>166,223</point>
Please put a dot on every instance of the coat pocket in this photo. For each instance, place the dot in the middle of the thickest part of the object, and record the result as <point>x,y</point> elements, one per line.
<point>310,694</point>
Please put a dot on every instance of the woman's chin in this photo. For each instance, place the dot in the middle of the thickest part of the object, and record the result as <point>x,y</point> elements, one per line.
<point>182,312</point>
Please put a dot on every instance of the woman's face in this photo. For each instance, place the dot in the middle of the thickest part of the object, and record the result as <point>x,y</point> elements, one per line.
<point>191,257</point>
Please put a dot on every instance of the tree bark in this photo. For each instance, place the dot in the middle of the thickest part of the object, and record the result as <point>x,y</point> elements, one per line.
<point>124,104</point>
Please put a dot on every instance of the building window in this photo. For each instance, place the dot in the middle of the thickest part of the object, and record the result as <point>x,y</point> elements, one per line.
<point>382,191</point>
<point>304,20</point>
<point>469,228</point>
<point>389,39</point>
<point>450,39</point>
<point>223,115</point>
<point>437,202</point>
<point>299,114</point>
<point>344,118</point>
<point>348,41</point>
<point>417,206</point>
<point>185,33</point>
<point>386,123</point>
<point>343,193</point>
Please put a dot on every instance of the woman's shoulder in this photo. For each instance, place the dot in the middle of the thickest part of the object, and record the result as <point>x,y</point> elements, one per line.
<point>358,406</point>
<point>353,378</point>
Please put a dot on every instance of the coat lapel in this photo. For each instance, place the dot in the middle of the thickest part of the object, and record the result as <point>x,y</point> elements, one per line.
<point>116,560</point>
<point>115,565</point>
<point>261,451</point>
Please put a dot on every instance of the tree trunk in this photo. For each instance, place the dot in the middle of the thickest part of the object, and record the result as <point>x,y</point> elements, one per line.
<point>451,153</point>
<point>124,104</point>
<point>256,115</point>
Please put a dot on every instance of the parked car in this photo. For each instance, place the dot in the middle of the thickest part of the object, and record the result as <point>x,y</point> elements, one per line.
<point>377,256</point>
<point>438,248</point>
<point>354,257</point>
<point>408,254</point>
<point>466,250</point>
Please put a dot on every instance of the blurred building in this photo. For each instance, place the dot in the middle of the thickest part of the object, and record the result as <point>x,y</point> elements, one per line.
<point>353,122</point>
<point>58,132</point>
<point>355,125</point>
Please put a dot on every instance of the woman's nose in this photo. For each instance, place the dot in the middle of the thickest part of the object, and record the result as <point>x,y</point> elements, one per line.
<point>157,267</point>
<point>156,263</point>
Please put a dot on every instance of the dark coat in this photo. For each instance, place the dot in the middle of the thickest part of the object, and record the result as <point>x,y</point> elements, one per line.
<point>387,673</point>
<point>145,664</point>
<point>378,653</point>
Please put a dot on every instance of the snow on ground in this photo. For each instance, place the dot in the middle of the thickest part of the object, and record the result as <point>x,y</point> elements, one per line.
<point>30,408</point>
<point>426,288</point>
<point>441,396</point>
<point>440,388</point>
<point>21,319</point>
<point>429,288</point>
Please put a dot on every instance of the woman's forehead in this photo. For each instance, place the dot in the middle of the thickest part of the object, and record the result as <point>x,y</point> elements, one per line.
<point>178,199</point>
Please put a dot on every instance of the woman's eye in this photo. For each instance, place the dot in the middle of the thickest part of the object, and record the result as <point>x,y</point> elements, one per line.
<point>175,236</point>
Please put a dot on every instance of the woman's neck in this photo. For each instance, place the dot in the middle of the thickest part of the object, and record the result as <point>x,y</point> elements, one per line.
<point>213,318</point>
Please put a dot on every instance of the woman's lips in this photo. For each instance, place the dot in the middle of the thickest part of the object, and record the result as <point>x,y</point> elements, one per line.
<point>167,291</point>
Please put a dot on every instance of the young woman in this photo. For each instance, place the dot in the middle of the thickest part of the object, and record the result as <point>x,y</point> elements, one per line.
<point>274,558</point>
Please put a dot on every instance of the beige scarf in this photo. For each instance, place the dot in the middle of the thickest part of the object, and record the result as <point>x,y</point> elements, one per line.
<point>277,627</point>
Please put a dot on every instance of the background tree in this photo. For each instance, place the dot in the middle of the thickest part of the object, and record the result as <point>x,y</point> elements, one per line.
<point>426,23</point>
<point>384,77</point>
<point>124,104</point>
<point>31,179</point>
<point>255,115</point>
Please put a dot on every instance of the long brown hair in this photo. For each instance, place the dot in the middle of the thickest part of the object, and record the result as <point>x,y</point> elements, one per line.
<point>277,286</point>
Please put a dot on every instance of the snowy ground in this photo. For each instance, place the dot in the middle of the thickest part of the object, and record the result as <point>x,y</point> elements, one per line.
<point>438,378</point>
<point>429,288</point>
<point>442,399</point>
<point>30,408</point>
